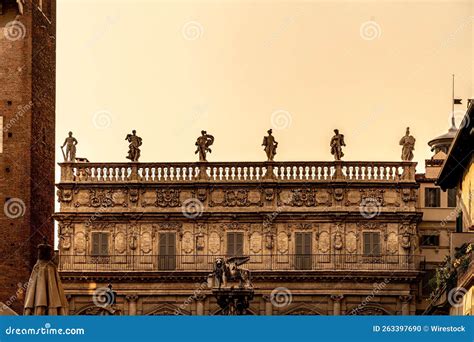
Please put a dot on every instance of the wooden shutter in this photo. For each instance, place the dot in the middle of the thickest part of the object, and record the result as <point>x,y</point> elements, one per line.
<point>104,243</point>
<point>235,244</point>
<point>100,243</point>
<point>167,250</point>
<point>371,243</point>
<point>303,250</point>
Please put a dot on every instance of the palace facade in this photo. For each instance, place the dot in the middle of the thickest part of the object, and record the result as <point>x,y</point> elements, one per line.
<point>326,238</point>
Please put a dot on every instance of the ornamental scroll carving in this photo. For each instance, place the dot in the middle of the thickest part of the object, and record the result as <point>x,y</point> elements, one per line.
<point>235,198</point>
<point>167,198</point>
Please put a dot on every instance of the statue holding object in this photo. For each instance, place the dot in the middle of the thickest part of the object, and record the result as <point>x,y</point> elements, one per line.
<point>270,145</point>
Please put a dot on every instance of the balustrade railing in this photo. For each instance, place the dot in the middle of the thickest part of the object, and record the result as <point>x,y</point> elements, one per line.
<point>237,172</point>
<point>274,262</point>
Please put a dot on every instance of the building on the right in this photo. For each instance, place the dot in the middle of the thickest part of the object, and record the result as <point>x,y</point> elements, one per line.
<point>454,280</point>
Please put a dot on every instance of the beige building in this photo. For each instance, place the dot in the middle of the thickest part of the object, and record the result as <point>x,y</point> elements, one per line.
<point>324,238</point>
<point>439,209</point>
<point>456,292</point>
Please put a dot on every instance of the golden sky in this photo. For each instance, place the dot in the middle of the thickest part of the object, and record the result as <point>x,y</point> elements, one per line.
<point>237,68</point>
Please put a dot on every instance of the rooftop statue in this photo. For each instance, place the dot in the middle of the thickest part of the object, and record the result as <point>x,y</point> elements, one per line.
<point>270,145</point>
<point>203,144</point>
<point>134,147</point>
<point>337,142</point>
<point>70,142</point>
<point>408,143</point>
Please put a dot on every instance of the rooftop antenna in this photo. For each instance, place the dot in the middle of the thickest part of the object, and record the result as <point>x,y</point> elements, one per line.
<point>453,121</point>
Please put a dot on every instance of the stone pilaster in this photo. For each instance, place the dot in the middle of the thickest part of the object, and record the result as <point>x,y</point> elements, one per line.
<point>337,304</point>
<point>132,304</point>
<point>405,301</point>
<point>200,304</point>
<point>268,305</point>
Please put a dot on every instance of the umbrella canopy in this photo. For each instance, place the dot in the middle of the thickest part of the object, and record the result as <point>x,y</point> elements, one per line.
<point>45,293</point>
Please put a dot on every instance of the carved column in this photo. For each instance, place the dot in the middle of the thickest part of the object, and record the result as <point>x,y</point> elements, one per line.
<point>405,300</point>
<point>268,305</point>
<point>337,304</point>
<point>132,304</point>
<point>200,304</point>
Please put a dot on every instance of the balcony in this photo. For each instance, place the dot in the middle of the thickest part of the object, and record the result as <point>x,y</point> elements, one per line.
<point>275,262</point>
<point>232,172</point>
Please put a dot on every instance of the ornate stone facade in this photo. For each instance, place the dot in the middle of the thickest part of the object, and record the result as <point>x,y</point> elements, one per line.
<point>319,235</point>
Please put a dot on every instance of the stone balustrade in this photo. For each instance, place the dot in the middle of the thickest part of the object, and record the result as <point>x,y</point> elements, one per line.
<point>357,171</point>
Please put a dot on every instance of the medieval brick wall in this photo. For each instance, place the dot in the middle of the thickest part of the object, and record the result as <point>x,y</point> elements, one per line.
<point>27,105</point>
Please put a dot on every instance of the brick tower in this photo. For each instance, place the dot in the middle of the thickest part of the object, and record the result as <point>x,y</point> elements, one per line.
<point>27,122</point>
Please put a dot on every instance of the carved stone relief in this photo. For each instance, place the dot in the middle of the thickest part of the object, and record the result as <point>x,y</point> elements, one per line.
<point>120,243</point>
<point>214,243</point>
<point>188,242</point>
<point>324,242</point>
<point>282,242</point>
<point>80,243</point>
<point>256,242</point>
<point>235,198</point>
<point>351,242</point>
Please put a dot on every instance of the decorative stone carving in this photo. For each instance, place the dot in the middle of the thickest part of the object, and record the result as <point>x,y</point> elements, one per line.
<point>391,198</point>
<point>338,194</point>
<point>201,194</point>
<point>133,195</point>
<point>187,242</point>
<point>408,195</point>
<point>351,242</point>
<point>80,243</point>
<point>303,197</point>
<point>324,242</point>
<point>256,242</point>
<point>282,242</point>
<point>392,243</point>
<point>406,232</point>
<point>338,241</point>
<point>214,243</point>
<point>353,197</point>
<point>269,194</point>
<point>101,198</point>
<point>323,197</point>
<point>167,198</point>
<point>146,243</point>
<point>65,232</point>
<point>235,198</point>
<point>65,195</point>
<point>120,243</point>
<point>373,195</point>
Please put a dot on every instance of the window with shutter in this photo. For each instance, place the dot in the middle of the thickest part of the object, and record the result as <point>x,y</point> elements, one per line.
<point>235,244</point>
<point>371,244</point>
<point>452,198</point>
<point>303,250</point>
<point>100,244</point>
<point>167,257</point>
<point>432,197</point>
